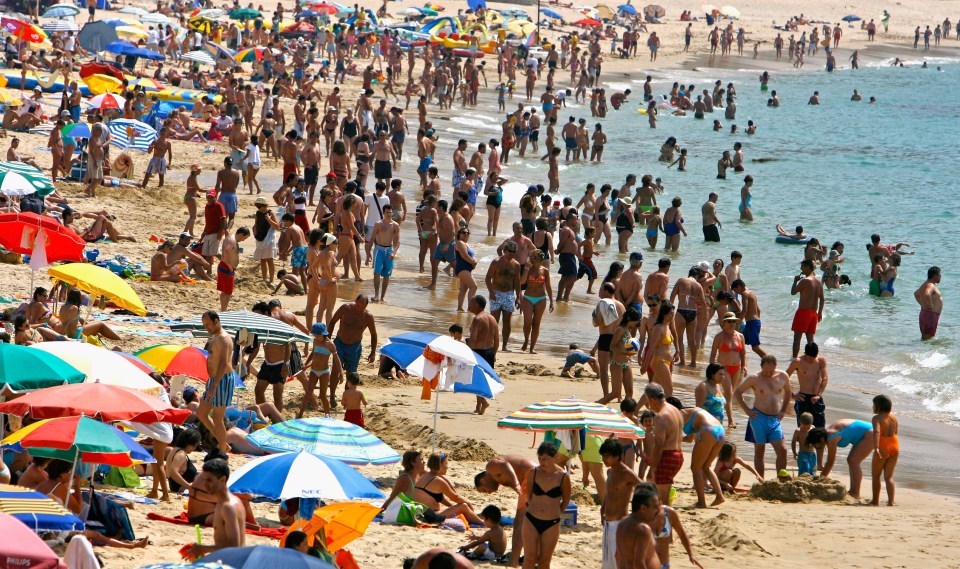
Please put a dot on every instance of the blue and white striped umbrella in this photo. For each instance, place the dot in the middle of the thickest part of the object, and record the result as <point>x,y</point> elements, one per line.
<point>61,26</point>
<point>63,10</point>
<point>331,438</point>
<point>199,56</point>
<point>119,137</point>
<point>301,475</point>
<point>268,330</point>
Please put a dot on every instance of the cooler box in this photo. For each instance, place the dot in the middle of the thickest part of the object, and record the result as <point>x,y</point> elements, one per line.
<point>569,517</point>
<point>79,172</point>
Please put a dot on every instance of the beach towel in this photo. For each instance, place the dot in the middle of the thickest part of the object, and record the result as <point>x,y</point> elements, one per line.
<point>607,310</point>
<point>181,520</point>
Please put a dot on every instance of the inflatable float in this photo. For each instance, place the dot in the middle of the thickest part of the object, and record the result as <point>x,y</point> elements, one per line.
<point>790,241</point>
<point>48,83</point>
<point>462,41</point>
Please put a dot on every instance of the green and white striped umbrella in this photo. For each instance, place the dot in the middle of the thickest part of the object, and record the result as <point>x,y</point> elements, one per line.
<point>571,414</point>
<point>36,181</point>
<point>268,330</point>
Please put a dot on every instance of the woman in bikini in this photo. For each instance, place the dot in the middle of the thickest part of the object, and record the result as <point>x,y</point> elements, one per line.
<point>323,364</point>
<point>601,217</point>
<point>413,467</point>
<point>340,163</point>
<point>347,236</point>
<point>190,198</point>
<point>328,279</point>
<point>622,350</point>
<point>72,325</point>
<point>464,264</point>
<point>330,124</point>
<point>707,435</point>
<point>588,206</point>
<point>313,273</point>
<point>538,294</point>
<point>663,349</point>
<point>180,470</point>
<point>728,350</point>
<point>713,394</point>
<point>547,492</point>
<point>434,491</point>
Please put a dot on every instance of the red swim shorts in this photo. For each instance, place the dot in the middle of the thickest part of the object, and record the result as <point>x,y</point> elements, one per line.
<point>805,321</point>
<point>225,278</point>
<point>670,463</point>
<point>289,169</point>
<point>354,416</point>
<point>929,321</point>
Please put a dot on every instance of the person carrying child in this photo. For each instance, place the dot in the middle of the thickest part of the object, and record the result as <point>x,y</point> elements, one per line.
<point>577,356</point>
<point>726,467</point>
<point>490,546</point>
<point>807,457</point>
<point>353,400</point>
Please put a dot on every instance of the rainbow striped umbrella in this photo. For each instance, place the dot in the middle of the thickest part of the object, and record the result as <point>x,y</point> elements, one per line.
<point>176,359</point>
<point>571,414</point>
<point>36,510</point>
<point>249,55</point>
<point>331,438</point>
<point>78,438</point>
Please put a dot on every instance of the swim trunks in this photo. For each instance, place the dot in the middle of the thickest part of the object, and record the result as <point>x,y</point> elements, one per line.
<point>382,169</point>
<point>751,332</point>
<point>805,321</point>
<point>604,341</point>
<point>503,301</point>
<point>445,252</point>
<point>311,174</point>
<point>765,428</point>
<point>272,373</point>
<point>298,259</point>
<point>157,166</point>
<point>571,142</point>
<point>671,461</point>
<point>568,264</point>
<point>229,202</point>
<point>349,354</point>
<point>425,164</point>
<point>807,462</point>
<point>586,269</point>
<point>711,233</point>
<point>488,354</point>
<point>354,416</point>
<point>929,321</point>
<point>222,395</point>
<point>382,263</point>
<point>818,409</point>
<point>225,278</point>
<point>211,245</point>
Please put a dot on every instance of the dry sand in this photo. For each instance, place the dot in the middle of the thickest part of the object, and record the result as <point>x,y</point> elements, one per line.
<point>919,532</point>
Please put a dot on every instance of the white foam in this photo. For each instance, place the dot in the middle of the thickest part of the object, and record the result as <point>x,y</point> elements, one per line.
<point>902,384</point>
<point>932,360</point>
<point>833,341</point>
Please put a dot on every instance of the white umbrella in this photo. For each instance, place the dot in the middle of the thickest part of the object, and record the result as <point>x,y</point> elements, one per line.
<point>301,475</point>
<point>13,184</point>
<point>134,10</point>
<point>199,56</point>
<point>212,13</point>
<point>108,101</point>
<point>155,18</point>
<point>61,26</point>
<point>101,365</point>
<point>411,12</point>
<point>730,12</point>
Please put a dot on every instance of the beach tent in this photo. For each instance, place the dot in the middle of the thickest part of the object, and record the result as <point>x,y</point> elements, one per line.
<point>22,548</point>
<point>605,13</point>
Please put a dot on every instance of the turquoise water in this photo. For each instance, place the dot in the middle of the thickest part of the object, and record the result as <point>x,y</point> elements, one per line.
<point>843,170</point>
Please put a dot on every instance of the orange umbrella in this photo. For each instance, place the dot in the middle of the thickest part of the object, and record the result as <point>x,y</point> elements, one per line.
<point>342,523</point>
<point>23,30</point>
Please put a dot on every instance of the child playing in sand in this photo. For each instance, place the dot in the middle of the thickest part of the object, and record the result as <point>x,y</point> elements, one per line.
<point>287,280</point>
<point>493,543</point>
<point>726,467</point>
<point>577,356</point>
<point>646,421</point>
<point>353,400</point>
<point>886,447</point>
<point>807,457</point>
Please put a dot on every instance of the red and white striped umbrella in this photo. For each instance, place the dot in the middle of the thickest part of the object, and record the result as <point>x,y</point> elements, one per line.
<point>107,101</point>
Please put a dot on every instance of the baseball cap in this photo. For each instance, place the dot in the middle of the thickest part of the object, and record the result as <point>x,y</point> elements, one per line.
<point>211,193</point>
<point>186,234</point>
<point>704,266</point>
<point>636,257</point>
<point>319,329</point>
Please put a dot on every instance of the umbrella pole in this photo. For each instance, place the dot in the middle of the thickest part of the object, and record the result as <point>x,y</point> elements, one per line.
<point>436,407</point>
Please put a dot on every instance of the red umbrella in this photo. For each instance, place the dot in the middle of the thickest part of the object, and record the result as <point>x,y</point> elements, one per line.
<point>23,30</point>
<point>108,402</point>
<point>19,230</point>
<point>94,68</point>
<point>325,8</point>
<point>587,22</point>
<point>22,548</point>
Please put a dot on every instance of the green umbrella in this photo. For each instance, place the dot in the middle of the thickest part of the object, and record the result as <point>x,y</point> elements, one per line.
<point>23,368</point>
<point>245,14</point>
<point>39,180</point>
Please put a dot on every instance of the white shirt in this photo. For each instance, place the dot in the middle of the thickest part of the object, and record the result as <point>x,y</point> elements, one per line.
<point>374,214</point>
<point>224,122</point>
<point>152,38</point>
<point>254,151</point>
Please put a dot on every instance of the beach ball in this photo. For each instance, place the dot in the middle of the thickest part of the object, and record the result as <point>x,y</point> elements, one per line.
<point>632,346</point>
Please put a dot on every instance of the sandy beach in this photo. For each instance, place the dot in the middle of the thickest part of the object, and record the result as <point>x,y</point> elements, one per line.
<point>745,531</point>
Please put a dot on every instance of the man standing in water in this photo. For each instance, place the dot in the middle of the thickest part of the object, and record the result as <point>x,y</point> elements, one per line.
<point>666,459</point>
<point>508,471</point>
<point>567,250</point>
<point>222,379</point>
<point>503,285</point>
<point>810,311</point>
<point>711,223</point>
<point>931,304</point>
<point>630,288</point>
<point>771,396</point>
<point>750,316</point>
<point>621,480</point>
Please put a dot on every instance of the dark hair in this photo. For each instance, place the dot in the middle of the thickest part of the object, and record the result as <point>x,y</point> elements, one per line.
<point>628,405</point>
<point>816,435</point>
<point>435,460</point>
<point>811,349</point>
<point>491,513</point>
<point>932,272</point>
<point>74,297</point>
<point>212,314</point>
<point>611,447</point>
<point>630,315</point>
<point>188,437</point>
<point>676,402</point>
<point>408,458</point>
<point>736,283</point>
<point>666,308</point>
<point>727,450</point>
<point>38,291</point>
<point>616,268</point>
<point>57,468</point>
<point>643,496</point>
<point>548,449</point>
<point>218,467</point>
<point>443,560</point>
<point>807,263</point>
<point>455,328</point>
<point>481,301</point>
<point>663,262</point>
<point>712,370</point>
<point>768,359</point>
<point>883,404</point>
<point>287,217</point>
<point>295,539</point>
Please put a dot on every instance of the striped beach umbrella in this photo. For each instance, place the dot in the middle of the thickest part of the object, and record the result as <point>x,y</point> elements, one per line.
<point>100,400</point>
<point>332,438</point>
<point>249,55</point>
<point>199,56</point>
<point>101,365</point>
<point>78,438</point>
<point>301,475</point>
<point>62,10</point>
<point>13,184</point>
<point>123,130</point>
<point>22,368</point>
<point>76,130</point>
<point>107,101</point>
<point>268,330</point>
<point>36,510</point>
<point>219,53</point>
<point>571,414</point>
<point>40,181</point>
<point>176,359</point>
<point>60,26</point>
<point>135,11</point>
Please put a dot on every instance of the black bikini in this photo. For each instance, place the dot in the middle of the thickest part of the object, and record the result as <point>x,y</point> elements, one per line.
<point>437,496</point>
<point>555,492</point>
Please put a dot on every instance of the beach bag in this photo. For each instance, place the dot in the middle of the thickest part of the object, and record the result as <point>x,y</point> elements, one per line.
<point>403,511</point>
<point>122,478</point>
<point>111,516</point>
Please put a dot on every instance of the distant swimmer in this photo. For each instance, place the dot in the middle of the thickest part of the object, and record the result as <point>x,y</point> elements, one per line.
<point>856,96</point>
<point>814,99</point>
<point>763,159</point>
<point>931,304</point>
<point>799,235</point>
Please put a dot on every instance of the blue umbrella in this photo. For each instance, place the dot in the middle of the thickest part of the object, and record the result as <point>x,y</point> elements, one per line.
<point>118,131</point>
<point>851,18</point>
<point>36,510</point>
<point>119,47</point>
<point>146,54</point>
<point>61,11</point>
<point>476,4</point>
<point>405,348</point>
<point>95,35</point>
<point>259,556</point>
<point>302,475</point>
<point>329,437</point>
<point>551,13</point>
<point>628,9</point>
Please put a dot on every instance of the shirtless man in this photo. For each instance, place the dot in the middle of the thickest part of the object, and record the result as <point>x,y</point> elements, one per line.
<point>569,134</point>
<point>222,379</point>
<point>687,295</point>
<point>630,288</point>
<point>229,260</point>
<point>459,167</point>
<point>732,270</point>
<point>636,548</point>
<point>476,162</point>
<point>294,246</point>
<point>288,153</point>
<point>503,286</point>
<point>771,398</point>
<point>195,263</point>
<point>355,318</point>
<point>508,471</point>
<point>524,246</point>
<point>426,146</point>
<point>383,159</point>
<point>750,316</point>
<point>931,303</point>
<point>711,223</point>
<point>229,516</point>
<point>483,339</point>
<point>162,268</point>
<point>567,252</point>
<point>228,180</point>
<point>439,557</point>
<point>810,310</point>
<point>238,140</point>
<point>621,481</point>
<point>446,233</point>
<point>658,282</point>
<point>310,157</point>
<point>876,248</point>
<point>666,458</point>
<point>606,317</point>
<point>386,243</point>
<point>812,379</point>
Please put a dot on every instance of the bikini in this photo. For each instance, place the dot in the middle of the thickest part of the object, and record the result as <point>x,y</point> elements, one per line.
<point>625,340</point>
<point>737,347</point>
<point>715,430</point>
<point>323,351</point>
<point>555,492</point>
<point>534,300</point>
<point>437,496</point>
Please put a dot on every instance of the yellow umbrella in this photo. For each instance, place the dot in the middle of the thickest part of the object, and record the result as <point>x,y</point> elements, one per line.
<point>342,523</point>
<point>101,282</point>
<point>521,27</point>
<point>131,32</point>
<point>100,84</point>
<point>7,98</point>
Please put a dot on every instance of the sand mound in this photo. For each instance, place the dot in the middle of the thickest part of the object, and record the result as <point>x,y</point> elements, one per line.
<point>582,497</point>
<point>802,489</point>
<point>725,533</point>
<point>529,369</point>
<point>401,434</point>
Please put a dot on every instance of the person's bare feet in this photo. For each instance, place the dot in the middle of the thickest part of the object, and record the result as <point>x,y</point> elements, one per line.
<point>718,500</point>
<point>483,407</point>
<point>534,352</point>
<point>153,495</point>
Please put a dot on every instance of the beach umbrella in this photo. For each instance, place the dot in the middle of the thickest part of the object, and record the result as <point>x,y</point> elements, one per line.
<point>99,364</point>
<point>13,184</point>
<point>571,414</point>
<point>260,556</point>
<point>553,14</point>
<point>7,97</point>
<point>76,130</point>
<point>148,83</point>
<point>19,232</point>
<point>653,11</point>
<point>627,9</point>
<point>21,547</point>
<point>146,54</point>
<point>138,363</point>
<point>107,101</point>
<point>23,369</point>
<point>121,130</point>
<point>95,35</point>
<point>851,18</point>
<point>23,30</point>
<point>301,475</point>
<point>341,523</point>
<point>62,10</point>
<point>411,12</point>
<point>60,26</point>
<point>97,68</point>
<point>214,565</point>
<point>201,24</point>
<point>587,22</point>
<point>101,282</point>
<point>41,180</point>
<point>325,436</point>
<point>135,11</point>
<point>100,84</point>
<point>220,53</point>
<point>428,11</point>
<point>249,55</point>
<point>325,8</point>
<point>77,439</point>
<point>176,359</point>
<point>156,18</point>
<point>35,510</point>
<point>120,47</point>
<point>268,330</point>
<point>131,32</point>
<point>212,13</point>
<point>199,56</point>
<point>730,12</point>
<point>244,14</point>
<point>407,348</point>
<point>476,4</point>
<point>101,400</point>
